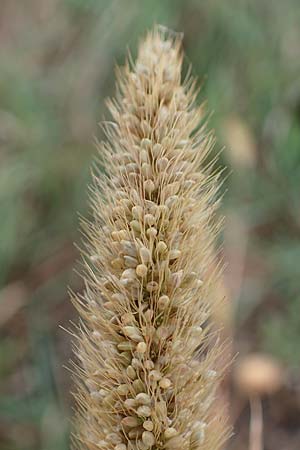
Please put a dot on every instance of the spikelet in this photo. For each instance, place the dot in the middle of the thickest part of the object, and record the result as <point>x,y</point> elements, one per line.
<point>147,371</point>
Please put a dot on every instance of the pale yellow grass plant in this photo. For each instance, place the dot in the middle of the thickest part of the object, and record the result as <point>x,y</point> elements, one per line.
<point>147,349</point>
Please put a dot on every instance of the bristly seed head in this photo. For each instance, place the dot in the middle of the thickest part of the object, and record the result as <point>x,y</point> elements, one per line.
<point>149,370</point>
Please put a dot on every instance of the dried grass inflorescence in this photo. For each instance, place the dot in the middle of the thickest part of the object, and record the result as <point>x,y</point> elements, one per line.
<point>147,372</point>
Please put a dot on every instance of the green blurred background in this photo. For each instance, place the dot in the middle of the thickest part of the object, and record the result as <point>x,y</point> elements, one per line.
<point>57,69</point>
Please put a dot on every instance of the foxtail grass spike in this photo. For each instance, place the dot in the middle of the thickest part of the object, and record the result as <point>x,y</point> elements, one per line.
<point>147,347</point>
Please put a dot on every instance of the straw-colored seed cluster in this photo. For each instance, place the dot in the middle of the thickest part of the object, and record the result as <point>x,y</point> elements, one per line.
<point>147,372</point>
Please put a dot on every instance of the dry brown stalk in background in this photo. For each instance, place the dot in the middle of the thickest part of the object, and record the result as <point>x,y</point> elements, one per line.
<point>147,347</point>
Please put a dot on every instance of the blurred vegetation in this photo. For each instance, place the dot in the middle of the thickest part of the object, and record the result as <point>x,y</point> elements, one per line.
<point>57,65</point>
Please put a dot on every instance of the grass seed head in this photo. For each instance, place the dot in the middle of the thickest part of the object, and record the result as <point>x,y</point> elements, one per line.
<point>147,371</point>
